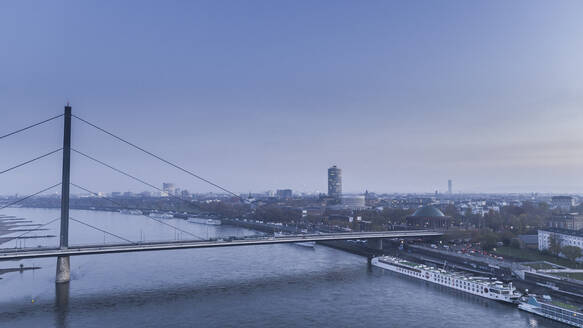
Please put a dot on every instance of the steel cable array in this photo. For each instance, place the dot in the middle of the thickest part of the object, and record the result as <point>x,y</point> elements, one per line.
<point>30,161</point>
<point>128,175</point>
<point>158,157</point>
<point>106,165</point>
<point>25,163</point>
<point>29,196</point>
<point>30,126</point>
<point>149,217</point>
<point>104,231</point>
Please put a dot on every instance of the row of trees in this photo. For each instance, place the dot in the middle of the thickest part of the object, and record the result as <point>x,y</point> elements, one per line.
<point>276,213</point>
<point>519,220</point>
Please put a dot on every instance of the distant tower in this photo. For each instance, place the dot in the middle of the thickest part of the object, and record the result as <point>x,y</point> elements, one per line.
<point>168,188</point>
<point>334,182</point>
<point>449,187</point>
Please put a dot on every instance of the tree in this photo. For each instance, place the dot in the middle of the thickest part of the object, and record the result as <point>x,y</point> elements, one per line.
<point>488,240</point>
<point>507,237</point>
<point>450,210</point>
<point>554,245</point>
<point>571,252</point>
<point>494,221</point>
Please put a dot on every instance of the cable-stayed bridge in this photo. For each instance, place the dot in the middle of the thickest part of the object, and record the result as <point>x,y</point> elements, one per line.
<point>64,250</point>
<point>37,252</point>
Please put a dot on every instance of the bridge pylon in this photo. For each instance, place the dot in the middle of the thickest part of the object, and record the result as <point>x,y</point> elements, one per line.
<point>63,263</point>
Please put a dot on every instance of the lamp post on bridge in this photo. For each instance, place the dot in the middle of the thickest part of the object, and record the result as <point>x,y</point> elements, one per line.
<point>63,263</point>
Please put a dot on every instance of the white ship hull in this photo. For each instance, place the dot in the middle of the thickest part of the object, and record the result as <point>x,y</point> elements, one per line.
<point>530,308</point>
<point>310,244</point>
<point>161,216</point>
<point>553,312</point>
<point>205,221</point>
<point>476,286</point>
<point>132,212</point>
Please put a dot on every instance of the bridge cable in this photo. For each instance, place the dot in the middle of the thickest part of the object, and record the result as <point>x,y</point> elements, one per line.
<point>30,126</point>
<point>149,217</point>
<point>29,196</point>
<point>35,229</point>
<point>129,175</point>
<point>159,158</point>
<point>30,161</point>
<point>107,232</point>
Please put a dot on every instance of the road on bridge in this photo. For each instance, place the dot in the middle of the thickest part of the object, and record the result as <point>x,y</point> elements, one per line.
<point>27,253</point>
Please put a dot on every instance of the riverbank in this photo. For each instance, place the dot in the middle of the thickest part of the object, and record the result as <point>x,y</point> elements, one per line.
<point>20,269</point>
<point>11,224</point>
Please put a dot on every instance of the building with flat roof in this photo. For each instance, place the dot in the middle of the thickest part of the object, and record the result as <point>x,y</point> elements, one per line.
<point>284,194</point>
<point>568,221</point>
<point>168,188</point>
<point>354,202</point>
<point>564,237</point>
<point>528,241</point>
<point>335,182</point>
<point>563,203</point>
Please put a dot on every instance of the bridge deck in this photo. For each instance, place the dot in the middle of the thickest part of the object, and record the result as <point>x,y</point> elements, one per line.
<point>17,254</point>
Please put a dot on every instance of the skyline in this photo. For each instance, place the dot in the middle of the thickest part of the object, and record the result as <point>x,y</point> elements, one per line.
<point>262,97</point>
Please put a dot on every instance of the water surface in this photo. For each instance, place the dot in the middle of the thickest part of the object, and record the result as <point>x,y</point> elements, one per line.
<point>255,286</point>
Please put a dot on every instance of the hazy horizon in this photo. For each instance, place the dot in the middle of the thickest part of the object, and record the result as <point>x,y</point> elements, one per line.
<point>261,96</point>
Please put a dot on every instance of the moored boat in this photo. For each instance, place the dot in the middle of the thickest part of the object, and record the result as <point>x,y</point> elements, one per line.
<point>161,215</point>
<point>205,221</point>
<point>479,286</point>
<point>553,310</point>
<point>132,212</point>
<point>310,244</point>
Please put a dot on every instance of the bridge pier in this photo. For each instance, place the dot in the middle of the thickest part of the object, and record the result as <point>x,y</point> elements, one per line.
<point>63,270</point>
<point>61,304</point>
<point>376,244</point>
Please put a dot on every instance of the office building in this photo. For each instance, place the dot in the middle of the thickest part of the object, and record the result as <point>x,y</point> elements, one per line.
<point>284,194</point>
<point>168,189</point>
<point>335,182</point>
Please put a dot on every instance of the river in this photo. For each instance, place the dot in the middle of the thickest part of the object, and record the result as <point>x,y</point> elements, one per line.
<point>255,286</point>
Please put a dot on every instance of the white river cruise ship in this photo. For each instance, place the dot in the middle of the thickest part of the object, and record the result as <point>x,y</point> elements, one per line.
<point>480,286</point>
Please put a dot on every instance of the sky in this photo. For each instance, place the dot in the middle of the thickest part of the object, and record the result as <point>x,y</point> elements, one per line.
<point>266,95</point>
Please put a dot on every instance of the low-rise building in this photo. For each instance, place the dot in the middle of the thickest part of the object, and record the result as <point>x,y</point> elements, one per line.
<point>316,211</point>
<point>284,194</point>
<point>528,241</point>
<point>563,236</point>
<point>428,217</point>
<point>569,221</point>
<point>354,202</point>
<point>563,203</point>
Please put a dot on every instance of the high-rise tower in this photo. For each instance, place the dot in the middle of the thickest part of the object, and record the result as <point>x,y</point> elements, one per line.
<point>334,182</point>
<point>449,187</point>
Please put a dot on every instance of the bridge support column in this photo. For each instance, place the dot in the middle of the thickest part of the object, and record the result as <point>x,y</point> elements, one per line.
<point>63,264</point>
<point>62,304</point>
<point>63,270</point>
<point>376,244</point>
